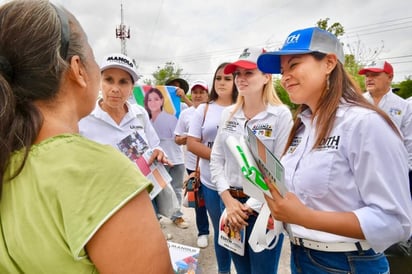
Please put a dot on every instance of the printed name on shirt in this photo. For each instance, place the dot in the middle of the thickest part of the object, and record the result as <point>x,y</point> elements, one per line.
<point>264,129</point>
<point>295,142</point>
<point>135,127</point>
<point>231,126</point>
<point>331,142</point>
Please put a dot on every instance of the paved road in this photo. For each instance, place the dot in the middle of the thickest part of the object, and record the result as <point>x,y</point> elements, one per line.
<point>207,261</point>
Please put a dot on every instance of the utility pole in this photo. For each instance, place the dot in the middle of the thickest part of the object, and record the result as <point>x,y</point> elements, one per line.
<point>122,32</point>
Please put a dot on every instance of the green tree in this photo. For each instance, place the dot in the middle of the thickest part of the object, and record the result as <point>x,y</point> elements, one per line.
<point>283,95</point>
<point>352,67</point>
<point>405,88</point>
<point>170,70</point>
<point>336,28</point>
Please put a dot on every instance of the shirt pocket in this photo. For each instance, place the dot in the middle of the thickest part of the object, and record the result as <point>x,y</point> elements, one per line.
<point>313,174</point>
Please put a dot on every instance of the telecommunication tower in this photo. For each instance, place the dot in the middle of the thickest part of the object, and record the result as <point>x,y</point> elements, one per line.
<point>122,32</point>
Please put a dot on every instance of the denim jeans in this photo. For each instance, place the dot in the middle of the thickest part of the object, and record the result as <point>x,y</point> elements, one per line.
<point>202,220</point>
<point>309,261</point>
<point>266,261</point>
<point>177,172</point>
<point>214,206</point>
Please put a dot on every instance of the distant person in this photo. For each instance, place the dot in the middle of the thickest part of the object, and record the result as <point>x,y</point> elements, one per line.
<point>181,91</point>
<point>345,163</point>
<point>258,108</point>
<point>202,132</point>
<point>378,79</point>
<point>165,123</point>
<point>113,117</point>
<point>68,204</point>
<point>200,94</point>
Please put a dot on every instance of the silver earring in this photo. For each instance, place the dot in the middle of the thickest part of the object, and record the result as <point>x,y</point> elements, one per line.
<point>327,83</point>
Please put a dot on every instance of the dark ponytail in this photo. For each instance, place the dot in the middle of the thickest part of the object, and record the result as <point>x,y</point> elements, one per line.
<point>33,57</point>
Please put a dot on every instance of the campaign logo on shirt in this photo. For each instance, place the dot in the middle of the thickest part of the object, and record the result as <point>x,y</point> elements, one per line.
<point>295,142</point>
<point>395,112</point>
<point>231,126</point>
<point>331,142</point>
<point>136,127</point>
<point>264,129</point>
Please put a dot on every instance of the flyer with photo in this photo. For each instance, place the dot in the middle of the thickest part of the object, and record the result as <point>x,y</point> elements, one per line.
<point>137,150</point>
<point>230,237</point>
<point>184,258</point>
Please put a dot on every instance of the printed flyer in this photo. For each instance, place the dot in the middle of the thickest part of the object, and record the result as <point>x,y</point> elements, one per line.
<point>184,258</point>
<point>137,150</point>
<point>231,238</point>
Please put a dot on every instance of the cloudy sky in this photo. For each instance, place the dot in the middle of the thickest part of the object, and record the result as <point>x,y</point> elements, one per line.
<point>198,35</point>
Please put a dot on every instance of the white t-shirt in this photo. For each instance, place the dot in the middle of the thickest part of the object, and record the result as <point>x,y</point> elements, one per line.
<point>182,129</point>
<point>207,133</point>
<point>165,125</point>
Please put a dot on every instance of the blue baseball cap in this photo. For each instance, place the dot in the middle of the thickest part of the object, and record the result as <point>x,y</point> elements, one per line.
<point>301,42</point>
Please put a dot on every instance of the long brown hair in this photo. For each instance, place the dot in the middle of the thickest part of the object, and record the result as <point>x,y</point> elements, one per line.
<point>213,94</point>
<point>341,86</point>
<point>33,60</point>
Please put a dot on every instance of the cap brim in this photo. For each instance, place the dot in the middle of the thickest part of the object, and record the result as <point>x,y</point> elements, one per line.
<point>230,68</point>
<point>132,73</point>
<point>365,70</point>
<point>269,62</point>
<point>199,85</point>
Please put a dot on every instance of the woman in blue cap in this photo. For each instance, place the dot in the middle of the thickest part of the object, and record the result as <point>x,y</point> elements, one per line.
<point>345,164</point>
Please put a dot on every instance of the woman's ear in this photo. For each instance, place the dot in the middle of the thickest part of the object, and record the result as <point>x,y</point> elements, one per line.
<point>268,77</point>
<point>331,62</point>
<point>77,71</point>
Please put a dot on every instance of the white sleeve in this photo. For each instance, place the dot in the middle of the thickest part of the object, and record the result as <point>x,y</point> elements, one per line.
<point>195,125</point>
<point>406,129</point>
<point>180,129</point>
<point>217,159</point>
<point>377,157</point>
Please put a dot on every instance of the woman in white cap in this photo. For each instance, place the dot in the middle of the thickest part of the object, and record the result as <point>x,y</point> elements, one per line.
<point>258,108</point>
<point>199,94</point>
<point>345,164</point>
<point>68,204</point>
<point>113,117</point>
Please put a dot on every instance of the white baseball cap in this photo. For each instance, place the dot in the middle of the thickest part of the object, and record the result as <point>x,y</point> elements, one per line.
<point>200,83</point>
<point>120,61</point>
<point>247,60</point>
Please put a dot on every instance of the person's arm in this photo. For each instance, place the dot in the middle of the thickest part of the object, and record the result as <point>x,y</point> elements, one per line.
<point>193,142</point>
<point>180,131</point>
<point>195,146</point>
<point>131,241</point>
<point>180,140</point>
<point>181,93</point>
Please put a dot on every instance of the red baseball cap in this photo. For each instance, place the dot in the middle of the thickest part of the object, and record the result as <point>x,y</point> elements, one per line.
<point>381,66</point>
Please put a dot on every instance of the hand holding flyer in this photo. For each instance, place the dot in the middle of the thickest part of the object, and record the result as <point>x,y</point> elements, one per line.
<point>259,166</point>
